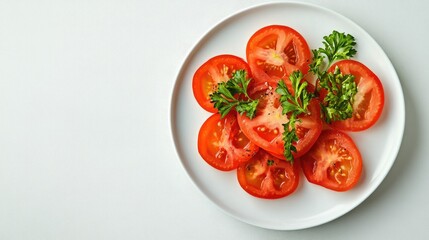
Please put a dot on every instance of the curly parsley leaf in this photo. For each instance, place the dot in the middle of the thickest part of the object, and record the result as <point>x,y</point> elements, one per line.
<point>290,137</point>
<point>337,46</point>
<point>317,66</point>
<point>338,103</point>
<point>297,102</point>
<point>293,105</point>
<point>225,99</point>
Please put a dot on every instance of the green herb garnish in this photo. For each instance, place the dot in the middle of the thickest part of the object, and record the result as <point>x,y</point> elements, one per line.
<point>337,46</point>
<point>341,89</point>
<point>233,94</point>
<point>338,103</point>
<point>293,105</point>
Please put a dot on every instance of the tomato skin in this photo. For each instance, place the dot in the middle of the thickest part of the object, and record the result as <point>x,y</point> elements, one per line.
<point>265,176</point>
<point>222,144</point>
<point>266,129</point>
<point>368,101</point>
<point>215,70</point>
<point>274,52</point>
<point>334,161</point>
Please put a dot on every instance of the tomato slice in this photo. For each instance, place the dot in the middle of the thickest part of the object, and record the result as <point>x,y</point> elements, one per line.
<point>275,51</point>
<point>266,176</point>
<point>222,144</point>
<point>334,161</point>
<point>266,128</point>
<point>368,101</point>
<point>215,70</point>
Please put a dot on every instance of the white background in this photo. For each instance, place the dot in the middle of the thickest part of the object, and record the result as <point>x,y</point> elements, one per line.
<point>85,144</point>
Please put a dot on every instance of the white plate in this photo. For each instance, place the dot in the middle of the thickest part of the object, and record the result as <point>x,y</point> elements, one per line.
<point>310,205</point>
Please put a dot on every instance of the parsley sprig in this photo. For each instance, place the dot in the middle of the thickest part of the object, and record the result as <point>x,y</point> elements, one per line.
<point>337,46</point>
<point>233,94</point>
<point>293,105</point>
<point>341,89</point>
<point>339,99</point>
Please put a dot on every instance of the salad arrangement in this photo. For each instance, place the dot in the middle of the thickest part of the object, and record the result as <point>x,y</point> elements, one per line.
<point>286,109</point>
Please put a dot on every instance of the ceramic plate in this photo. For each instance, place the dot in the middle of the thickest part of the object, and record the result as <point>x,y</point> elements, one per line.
<point>310,205</point>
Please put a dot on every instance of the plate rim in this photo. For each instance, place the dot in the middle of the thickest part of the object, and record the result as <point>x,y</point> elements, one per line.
<point>200,41</point>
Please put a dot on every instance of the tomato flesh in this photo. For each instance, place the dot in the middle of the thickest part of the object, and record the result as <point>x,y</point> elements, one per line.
<point>266,128</point>
<point>275,51</point>
<point>215,70</point>
<point>368,101</point>
<point>222,144</point>
<point>266,176</point>
<point>334,161</point>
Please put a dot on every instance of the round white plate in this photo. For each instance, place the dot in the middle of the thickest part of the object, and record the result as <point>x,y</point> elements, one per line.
<point>310,205</point>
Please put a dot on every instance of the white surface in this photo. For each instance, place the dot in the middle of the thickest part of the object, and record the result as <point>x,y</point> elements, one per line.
<point>299,210</point>
<point>85,145</point>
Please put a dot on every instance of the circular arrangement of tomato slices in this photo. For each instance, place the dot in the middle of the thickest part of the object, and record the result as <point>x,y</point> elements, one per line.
<point>254,147</point>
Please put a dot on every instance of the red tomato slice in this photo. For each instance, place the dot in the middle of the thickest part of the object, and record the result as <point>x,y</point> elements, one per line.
<point>266,128</point>
<point>275,51</point>
<point>222,144</point>
<point>334,161</point>
<point>368,101</point>
<point>266,176</point>
<point>215,70</point>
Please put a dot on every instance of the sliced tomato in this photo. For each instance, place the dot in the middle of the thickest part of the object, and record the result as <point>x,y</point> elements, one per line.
<point>266,176</point>
<point>215,70</point>
<point>334,161</point>
<point>368,101</point>
<point>222,144</point>
<point>275,51</point>
<point>266,128</point>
